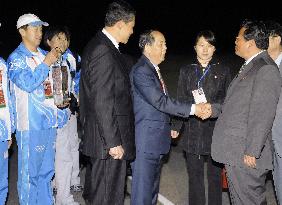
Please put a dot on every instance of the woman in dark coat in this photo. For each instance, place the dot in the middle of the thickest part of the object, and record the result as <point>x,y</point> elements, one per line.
<point>209,75</point>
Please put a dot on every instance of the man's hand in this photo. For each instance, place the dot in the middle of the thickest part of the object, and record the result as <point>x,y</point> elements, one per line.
<point>174,134</point>
<point>250,161</point>
<point>116,152</point>
<point>203,110</point>
<point>53,56</point>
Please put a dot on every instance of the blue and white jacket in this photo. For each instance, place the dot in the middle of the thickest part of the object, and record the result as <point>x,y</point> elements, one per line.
<point>7,123</point>
<point>33,110</point>
<point>71,61</point>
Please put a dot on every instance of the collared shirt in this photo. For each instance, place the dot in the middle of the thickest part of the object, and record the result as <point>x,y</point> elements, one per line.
<point>278,60</point>
<point>251,58</point>
<point>113,40</point>
<point>158,72</point>
<point>247,61</point>
<point>160,78</point>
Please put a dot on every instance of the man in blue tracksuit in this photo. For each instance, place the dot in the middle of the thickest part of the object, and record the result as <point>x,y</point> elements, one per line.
<point>36,114</point>
<point>6,128</point>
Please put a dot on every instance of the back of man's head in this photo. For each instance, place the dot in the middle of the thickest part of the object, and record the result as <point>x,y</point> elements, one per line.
<point>119,10</point>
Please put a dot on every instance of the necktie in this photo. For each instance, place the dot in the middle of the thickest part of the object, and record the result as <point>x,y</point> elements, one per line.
<point>161,80</point>
<point>240,70</point>
<point>242,67</point>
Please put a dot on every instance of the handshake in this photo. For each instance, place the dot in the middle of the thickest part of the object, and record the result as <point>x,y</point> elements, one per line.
<point>203,110</point>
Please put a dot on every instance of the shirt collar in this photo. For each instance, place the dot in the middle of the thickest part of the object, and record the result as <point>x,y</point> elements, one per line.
<point>251,58</point>
<point>113,40</point>
<point>156,67</point>
<point>278,60</point>
<point>158,71</point>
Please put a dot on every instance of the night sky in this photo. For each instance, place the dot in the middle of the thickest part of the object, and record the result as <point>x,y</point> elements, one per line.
<point>178,21</point>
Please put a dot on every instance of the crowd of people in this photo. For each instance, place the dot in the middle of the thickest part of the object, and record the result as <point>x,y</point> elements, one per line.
<point>127,117</point>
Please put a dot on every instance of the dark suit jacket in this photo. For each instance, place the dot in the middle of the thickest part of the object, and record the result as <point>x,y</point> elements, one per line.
<point>152,109</point>
<point>105,100</point>
<point>244,126</point>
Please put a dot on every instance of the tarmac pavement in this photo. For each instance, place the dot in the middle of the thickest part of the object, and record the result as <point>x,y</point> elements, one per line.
<point>173,186</point>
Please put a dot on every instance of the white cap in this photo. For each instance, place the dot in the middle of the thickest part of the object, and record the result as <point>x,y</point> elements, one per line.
<point>30,19</point>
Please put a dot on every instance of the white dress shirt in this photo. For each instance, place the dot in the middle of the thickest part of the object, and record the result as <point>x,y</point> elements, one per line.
<point>278,60</point>
<point>113,40</point>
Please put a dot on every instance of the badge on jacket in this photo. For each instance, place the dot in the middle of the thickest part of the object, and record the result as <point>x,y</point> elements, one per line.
<point>199,96</point>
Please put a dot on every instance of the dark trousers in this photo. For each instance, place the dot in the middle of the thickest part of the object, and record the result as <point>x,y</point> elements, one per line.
<point>107,182</point>
<point>146,171</point>
<point>195,168</point>
<point>87,182</point>
<point>246,185</point>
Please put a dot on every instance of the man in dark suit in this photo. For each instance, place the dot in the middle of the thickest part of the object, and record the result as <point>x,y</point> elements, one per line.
<point>152,110</point>
<point>275,52</point>
<point>242,135</point>
<point>106,107</point>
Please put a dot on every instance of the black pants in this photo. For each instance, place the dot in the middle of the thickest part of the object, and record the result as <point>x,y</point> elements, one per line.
<point>87,182</point>
<point>107,182</point>
<point>195,167</point>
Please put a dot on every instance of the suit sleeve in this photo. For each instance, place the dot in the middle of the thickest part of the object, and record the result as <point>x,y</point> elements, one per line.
<point>146,86</point>
<point>101,77</point>
<point>264,99</point>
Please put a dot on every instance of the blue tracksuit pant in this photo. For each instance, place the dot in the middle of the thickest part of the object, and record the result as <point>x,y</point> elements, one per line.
<point>36,151</point>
